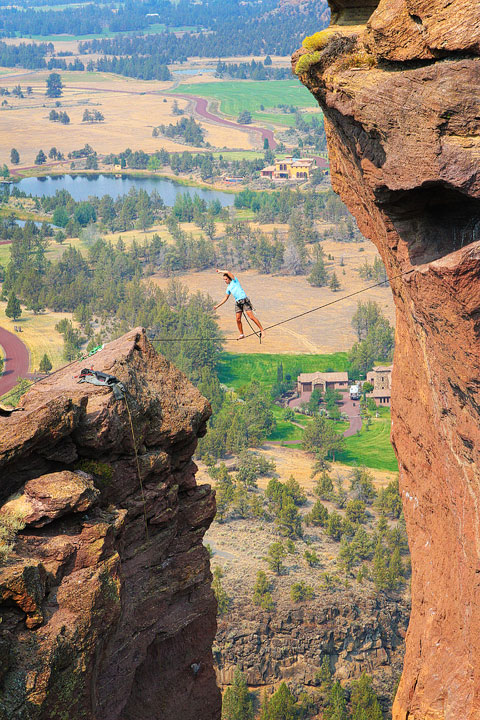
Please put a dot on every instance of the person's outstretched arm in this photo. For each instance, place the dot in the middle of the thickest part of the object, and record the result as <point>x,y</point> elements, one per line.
<point>221,303</point>
<point>225,272</point>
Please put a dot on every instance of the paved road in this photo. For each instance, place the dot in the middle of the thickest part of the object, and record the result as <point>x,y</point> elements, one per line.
<point>17,360</point>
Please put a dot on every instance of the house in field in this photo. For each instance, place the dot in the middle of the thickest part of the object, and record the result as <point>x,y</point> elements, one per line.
<point>381,379</point>
<point>290,168</point>
<point>308,382</point>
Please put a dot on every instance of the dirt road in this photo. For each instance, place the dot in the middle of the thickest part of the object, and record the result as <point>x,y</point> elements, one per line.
<point>17,360</point>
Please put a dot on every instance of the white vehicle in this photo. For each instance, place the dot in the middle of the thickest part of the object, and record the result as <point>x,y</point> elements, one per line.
<point>354,392</point>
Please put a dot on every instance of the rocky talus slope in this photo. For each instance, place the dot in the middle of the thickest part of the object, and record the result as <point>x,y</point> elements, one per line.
<point>105,598</point>
<point>402,113</point>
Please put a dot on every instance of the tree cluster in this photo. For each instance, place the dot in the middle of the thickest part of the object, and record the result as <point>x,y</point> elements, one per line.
<point>187,129</point>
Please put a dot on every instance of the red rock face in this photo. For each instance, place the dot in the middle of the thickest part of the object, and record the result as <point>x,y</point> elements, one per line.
<point>104,616</point>
<point>405,155</point>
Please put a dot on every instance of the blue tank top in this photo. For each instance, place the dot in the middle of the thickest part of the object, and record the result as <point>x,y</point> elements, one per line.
<point>234,288</point>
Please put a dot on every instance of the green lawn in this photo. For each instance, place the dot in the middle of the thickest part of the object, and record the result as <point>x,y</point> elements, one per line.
<point>239,154</point>
<point>235,96</point>
<point>372,447</point>
<point>287,431</point>
<point>236,370</point>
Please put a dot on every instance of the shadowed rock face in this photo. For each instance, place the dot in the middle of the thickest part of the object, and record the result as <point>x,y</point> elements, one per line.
<point>404,149</point>
<point>101,617</point>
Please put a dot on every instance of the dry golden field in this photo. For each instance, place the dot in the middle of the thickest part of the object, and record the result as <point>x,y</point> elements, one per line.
<point>278,297</point>
<point>131,107</point>
<point>290,461</point>
<point>38,334</point>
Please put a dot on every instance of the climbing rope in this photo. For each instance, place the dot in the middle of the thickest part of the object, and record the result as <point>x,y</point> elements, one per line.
<point>255,332</point>
<point>138,467</point>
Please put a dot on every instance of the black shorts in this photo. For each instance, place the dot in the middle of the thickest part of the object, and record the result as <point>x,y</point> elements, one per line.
<point>243,305</point>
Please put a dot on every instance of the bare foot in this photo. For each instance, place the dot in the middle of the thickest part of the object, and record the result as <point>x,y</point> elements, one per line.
<point>262,334</point>
<point>240,337</point>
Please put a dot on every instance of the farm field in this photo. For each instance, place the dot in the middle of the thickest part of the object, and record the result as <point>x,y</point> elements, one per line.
<point>235,96</point>
<point>132,108</point>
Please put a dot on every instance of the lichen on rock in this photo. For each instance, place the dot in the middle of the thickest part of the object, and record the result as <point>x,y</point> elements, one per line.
<point>102,615</point>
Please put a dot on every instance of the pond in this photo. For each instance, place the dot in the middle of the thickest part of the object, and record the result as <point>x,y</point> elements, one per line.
<point>81,187</point>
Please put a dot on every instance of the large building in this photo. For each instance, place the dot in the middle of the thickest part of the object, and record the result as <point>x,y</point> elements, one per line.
<point>381,379</point>
<point>290,168</point>
<point>308,382</point>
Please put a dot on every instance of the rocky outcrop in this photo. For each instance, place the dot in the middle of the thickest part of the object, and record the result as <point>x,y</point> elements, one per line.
<point>355,631</point>
<point>105,598</point>
<point>405,155</point>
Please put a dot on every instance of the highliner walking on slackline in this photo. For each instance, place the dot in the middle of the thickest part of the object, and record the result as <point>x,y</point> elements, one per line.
<point>242,303</point>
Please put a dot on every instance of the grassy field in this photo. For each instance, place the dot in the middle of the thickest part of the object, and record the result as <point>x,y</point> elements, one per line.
<point>235,96</point>
<point>372,447</point>
<point>236,370</point>
<point>153,29</point>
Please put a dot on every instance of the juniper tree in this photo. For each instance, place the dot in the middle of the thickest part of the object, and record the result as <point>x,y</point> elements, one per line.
<point>237,704</point>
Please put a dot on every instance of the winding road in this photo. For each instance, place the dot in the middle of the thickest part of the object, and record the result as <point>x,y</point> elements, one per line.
<point>201,108</point>
<point>17,360</point>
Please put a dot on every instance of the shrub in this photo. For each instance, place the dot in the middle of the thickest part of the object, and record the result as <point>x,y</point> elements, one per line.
<point>102,472</point>
<point>311,558</point>
<point>359,59</point>
<point>223,601</point>
<point>317,41</point>
<point>11,521</point>
<point>306,61</point>
<point>301,591</point>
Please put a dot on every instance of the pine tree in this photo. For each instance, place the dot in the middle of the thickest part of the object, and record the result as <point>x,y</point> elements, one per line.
<point>364,702</point>
<point>337,705</point>
<point>318,277</point>
<point>41,158</point>
<point>276,553</point>
<point>14,156</point>
<point>281,706</point>
<point>13,309</point>
<point>237,704</point>
<point>334,285</point>
<point>45,364</point>
<point>380,573</point>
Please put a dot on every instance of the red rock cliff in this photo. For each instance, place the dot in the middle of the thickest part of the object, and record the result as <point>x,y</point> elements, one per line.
<point>402,113</point>
<point>98,618</point>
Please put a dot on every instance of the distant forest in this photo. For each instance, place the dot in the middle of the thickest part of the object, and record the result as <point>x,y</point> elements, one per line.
<point>225,27</point>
